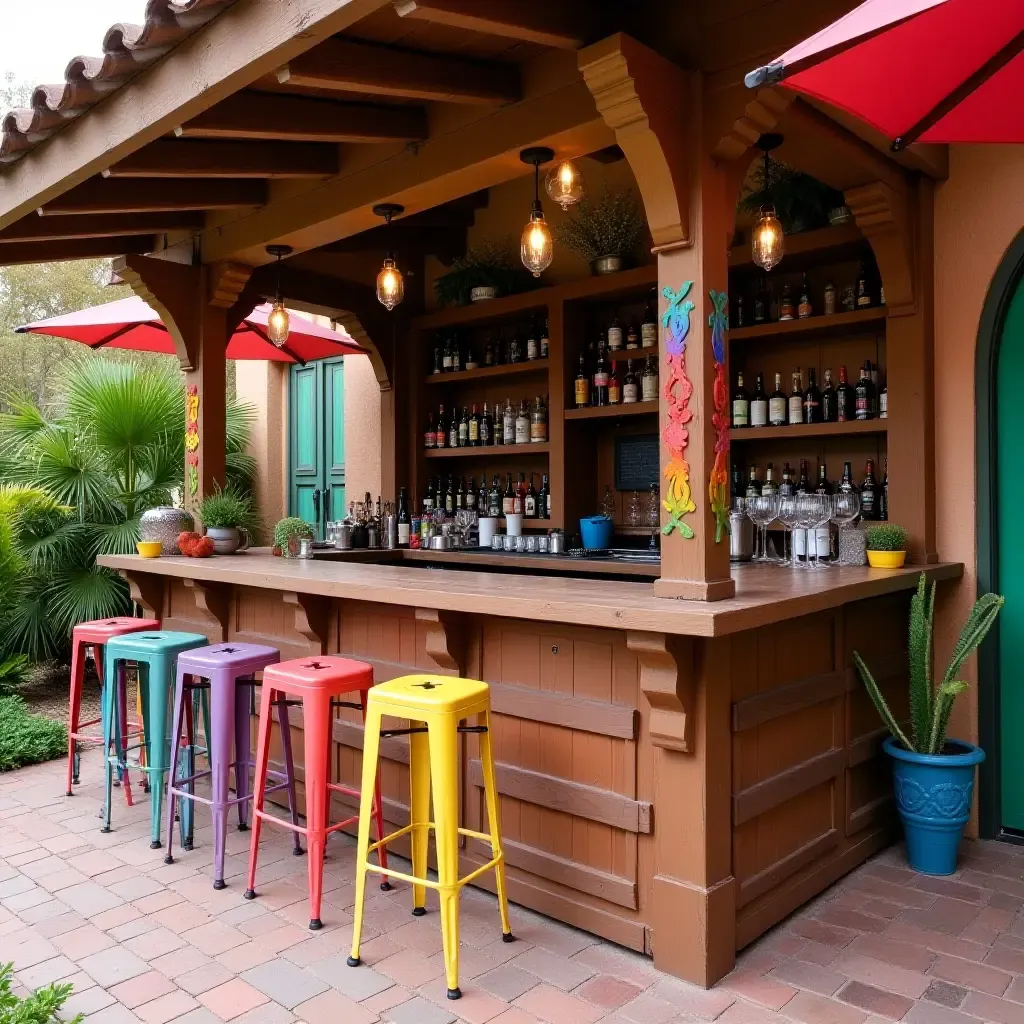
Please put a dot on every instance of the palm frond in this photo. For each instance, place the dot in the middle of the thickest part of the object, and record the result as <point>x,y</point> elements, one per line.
<point>77,594</point>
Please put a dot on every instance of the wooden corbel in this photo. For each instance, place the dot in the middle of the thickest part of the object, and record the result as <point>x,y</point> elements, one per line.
<point>147,592</point>
<point>883,214</point>
<point>667,681</point>
<point>226,282</point>
<point>445,639</point>
<point>213,602</point>
<point>312,619</point>
<point>760,115</point>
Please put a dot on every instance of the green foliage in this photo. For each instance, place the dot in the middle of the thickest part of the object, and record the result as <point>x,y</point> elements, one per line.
<point>226,509</point>
<point>931,706</point>
<point>610,226</point>
<point>27,739</point>
<point>291,526</point>
<point>39,1008</point>
<point>886,537</point>
<point>801,201</point>
<point>489,265</point>
<point>13,673</point>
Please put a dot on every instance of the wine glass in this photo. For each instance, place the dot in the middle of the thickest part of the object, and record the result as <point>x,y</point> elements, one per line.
<point>845,508</point>
<point>653,515</point>
<point>634,517</point>
<point>824,507</point>
<point>762,510</point>
<point>465,520</point>
<point>807,517</point>
<point>788,515</point>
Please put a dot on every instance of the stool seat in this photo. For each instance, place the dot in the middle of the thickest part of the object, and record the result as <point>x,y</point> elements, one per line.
<point>411,696</point>
<point>325,672</point>
<point>99,631</point>
<point>240,658</point>
<point>145,644</point>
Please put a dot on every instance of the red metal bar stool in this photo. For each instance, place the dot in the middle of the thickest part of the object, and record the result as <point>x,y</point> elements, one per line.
<point>317,684</point>
<point>95,634</point>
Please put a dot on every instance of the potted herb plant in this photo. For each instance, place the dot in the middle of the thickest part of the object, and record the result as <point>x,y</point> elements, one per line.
<point>933,776</point>
<point>887,546</point>
<point>227,517</point>
<point>485,272</point>
<point>288,533</point>
<point>606,232</point>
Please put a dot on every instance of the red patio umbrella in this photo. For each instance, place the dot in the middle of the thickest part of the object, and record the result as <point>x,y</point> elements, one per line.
<point>917,70</point>
<point>132,324</point>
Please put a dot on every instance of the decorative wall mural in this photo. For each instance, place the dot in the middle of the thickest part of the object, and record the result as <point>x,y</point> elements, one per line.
<point>718,485</point>
<point>192,439</point>
<point>678,389</point>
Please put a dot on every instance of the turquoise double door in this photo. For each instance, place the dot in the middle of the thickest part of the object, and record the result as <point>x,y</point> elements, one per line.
<point>316,442</point>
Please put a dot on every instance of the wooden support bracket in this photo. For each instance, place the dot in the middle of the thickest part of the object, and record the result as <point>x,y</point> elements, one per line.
<point>445,639</point>
<point>884,215</point>
<point>147,592</point>
<point>312,619</point>
<point>667,679</point>
<point>213,601</point>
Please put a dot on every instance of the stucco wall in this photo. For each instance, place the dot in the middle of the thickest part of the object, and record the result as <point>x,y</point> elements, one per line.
<point>362,428</point>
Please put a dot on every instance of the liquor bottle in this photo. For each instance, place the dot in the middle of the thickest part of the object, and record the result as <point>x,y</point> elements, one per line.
<point>883,402</point>
<point>828,399</point>
<point>614,335</point>
<point>824,487</point>
<point>519,496</point>
<point>649,326</point>
<point>777,404</point>
<point>803,485</point>
<point>438,357</point>
<point>600,392</point>
<point>441,436</point>
<point>845,399</point>
<point>741,317</point>
<point>439,495</point>
<point>494,498</point>
<point>830,299</point>
<point>753,484</point>
<point>530,504</point>
<point>446,358</point>
<point>430,434</point>
<point>539,421</point>
<point>460,494</point>
<point>774,306</point>
<point>489,359</point>
<point>760,303</point>
<point>470,362</point>
<point>786,487</point>
<point>522,423</point>
<point>869,493</point>
<point>532,343</point>
<point>428,498</point>
<point>846,485</point>
<point>473,428</point>
<point>883,497</point>
<point>544,499</point>
<point>736,490</point>
<point>614,386</point>
<point>796,399</point>
<point>453,430</point>
<point>740,404</point>
<point>508,424</point>
<point>786,307</point>
<point>545,341</point>
<point>649,381</point>
<point>449,496</point>
<point>769,486</point>
<point>632,335</point>
<point>515,347</point>
<point>861,291</point>
<point>630,386</point>
<point>803,309</point>
<point>812,399</point>
<point>456,354</point>
<point>582,386</point>
<point>486,427</point>
<point>865,395</point>
<point>759,404</point>
<point>508,501</point>
<point>464,428</point>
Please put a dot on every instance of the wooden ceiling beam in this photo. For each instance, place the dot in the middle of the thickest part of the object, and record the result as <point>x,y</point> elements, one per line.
<point>347,66</point>
<point>558,24</point>
<point>75,249</point>
<point>288,118</point>
<point>218,158</point>
<point>103,195</point>
<point>34,228</point>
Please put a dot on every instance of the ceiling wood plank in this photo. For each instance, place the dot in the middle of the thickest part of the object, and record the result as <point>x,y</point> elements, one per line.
<point>218,158</point>
<point>104,195</point>
<point>288,118</point>
<point>533,21</point>
<point>347,66</point>
<point>34,228</point>
<point>75,249</point>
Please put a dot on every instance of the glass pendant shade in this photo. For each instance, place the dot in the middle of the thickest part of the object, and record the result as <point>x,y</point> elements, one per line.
<point>537,249</point>
<point>564,184</point>
<point>390,286</point>
<point>768,242</point>
<point>278,324</point>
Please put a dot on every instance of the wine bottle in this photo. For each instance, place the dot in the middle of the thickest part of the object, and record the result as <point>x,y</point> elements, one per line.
<point>759,404</point>
<point>812,399</point>
<point>865,395</point>
<point>582,386</point>
<point>769,486</point>
<point>883,497</point>
<point>828,400</point>
<point>753,484</point>
<point>740,404</point>
<point>796,400</point>
<point>803,309</point>
<point>777,404</point>
<point>869,493</point>
<point>846,485</point>
<point>845,399</point>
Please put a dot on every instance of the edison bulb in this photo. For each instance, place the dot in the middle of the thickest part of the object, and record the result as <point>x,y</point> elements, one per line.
<point>564,184</point>
<point>767,243</point>
<point>278,324</point>
<point>390,286</point>
<point>537,249</point>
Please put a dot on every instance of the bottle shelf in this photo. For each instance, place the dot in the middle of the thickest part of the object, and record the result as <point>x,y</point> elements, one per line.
<point>485,372</point>
<point>638,355</point>
<point>745,434</point>
<point>489,451</point>
<point>810,325</point>
<point>603,412</point>
<point>808,248</point>
<point>530,524</point>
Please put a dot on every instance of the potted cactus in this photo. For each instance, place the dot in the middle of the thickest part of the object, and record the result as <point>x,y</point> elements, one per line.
<point>887,546</point>
<point>933,776</point>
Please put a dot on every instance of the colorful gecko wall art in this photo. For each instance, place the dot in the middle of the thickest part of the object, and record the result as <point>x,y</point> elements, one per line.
<point>676,321</point>
<point>718,492</point>
<point>192,438</point>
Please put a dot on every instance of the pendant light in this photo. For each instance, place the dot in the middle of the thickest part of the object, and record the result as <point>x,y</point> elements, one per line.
<point>277,322</point>
<point>536,247</point>
<point>564,183</point>
<point>767,242</point>
<point>390,286</point>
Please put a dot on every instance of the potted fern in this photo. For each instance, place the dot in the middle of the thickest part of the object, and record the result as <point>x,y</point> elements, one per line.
<point>933,776</point>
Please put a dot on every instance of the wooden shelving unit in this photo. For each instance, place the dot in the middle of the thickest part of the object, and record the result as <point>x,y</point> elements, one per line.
<point>610,412</point>
<point>808,247</point>
<point>852,427</point>
<point>490,372</point>
<point>489,451</point>
<point>638,355</point>
<point>837,322</point>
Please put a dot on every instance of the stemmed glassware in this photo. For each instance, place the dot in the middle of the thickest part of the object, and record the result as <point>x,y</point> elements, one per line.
<point>845,508</point>
<point>816,510</point>
<point>788,515</point>
<point>762,510</point>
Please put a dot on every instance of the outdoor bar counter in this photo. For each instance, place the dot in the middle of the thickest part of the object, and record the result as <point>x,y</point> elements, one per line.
<point>676,776</point>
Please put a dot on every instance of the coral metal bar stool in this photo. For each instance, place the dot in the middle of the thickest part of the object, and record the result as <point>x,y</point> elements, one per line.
<point>318,683</point>
<point>440,703</point>
<point>96,634</point>
<point>228,671</point>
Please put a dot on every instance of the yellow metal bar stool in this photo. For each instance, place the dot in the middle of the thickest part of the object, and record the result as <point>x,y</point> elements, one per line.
<point>435,706</point>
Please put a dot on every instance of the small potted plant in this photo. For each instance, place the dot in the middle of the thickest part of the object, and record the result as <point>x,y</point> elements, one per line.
<point>485,272</point>
<point>606,232</point>
<point>933,776</point>
<point>288,534</point>
<point>227,517</point>
<point>887,546</point>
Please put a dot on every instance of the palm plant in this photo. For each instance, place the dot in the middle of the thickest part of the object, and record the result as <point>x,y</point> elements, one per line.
<point>931,706</point>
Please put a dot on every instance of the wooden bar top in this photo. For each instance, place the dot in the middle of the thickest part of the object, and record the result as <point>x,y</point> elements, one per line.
<point>764,594</point>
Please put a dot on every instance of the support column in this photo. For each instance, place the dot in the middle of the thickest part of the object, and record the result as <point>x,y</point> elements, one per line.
<point>655,109</point>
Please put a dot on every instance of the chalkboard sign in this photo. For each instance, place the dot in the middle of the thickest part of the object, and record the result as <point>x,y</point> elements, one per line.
<point>637,463</point>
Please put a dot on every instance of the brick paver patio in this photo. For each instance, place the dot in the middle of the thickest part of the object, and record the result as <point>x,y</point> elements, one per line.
<point>147,942</point>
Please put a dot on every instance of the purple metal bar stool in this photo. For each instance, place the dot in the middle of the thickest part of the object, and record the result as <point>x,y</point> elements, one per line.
<point>228,670</point>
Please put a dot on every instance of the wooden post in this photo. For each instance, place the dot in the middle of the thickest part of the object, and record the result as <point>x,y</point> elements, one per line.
<point>655,109</point>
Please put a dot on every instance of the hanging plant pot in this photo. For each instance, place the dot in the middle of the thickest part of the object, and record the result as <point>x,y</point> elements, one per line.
<point>482,293</point>
<point>607,265</point>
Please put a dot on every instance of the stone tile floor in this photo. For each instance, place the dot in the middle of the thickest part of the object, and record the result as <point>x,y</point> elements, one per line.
<point>146,942</point>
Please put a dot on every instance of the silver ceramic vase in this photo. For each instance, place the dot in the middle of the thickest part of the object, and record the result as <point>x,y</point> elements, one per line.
<point>164,523</point>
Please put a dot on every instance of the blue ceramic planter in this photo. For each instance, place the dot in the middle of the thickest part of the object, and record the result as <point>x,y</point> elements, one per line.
<point>933,796</point>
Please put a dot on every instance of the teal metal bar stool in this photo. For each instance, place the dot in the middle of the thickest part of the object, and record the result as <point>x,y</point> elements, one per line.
<point>156,654</point>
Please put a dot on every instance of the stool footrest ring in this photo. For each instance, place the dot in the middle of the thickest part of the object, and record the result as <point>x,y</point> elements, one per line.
<point>346,704</point>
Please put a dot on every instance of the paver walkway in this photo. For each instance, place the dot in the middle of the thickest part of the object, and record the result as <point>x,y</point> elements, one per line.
<point>144,941</point>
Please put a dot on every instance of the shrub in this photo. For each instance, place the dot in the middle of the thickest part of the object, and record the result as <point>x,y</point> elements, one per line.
<point>27,739</point>
<point>611,225</point>
<point>13,673</point>
<point>886,537</point>
<point>227,509</point>
<point>39,1008</point>
<point>291,526</point>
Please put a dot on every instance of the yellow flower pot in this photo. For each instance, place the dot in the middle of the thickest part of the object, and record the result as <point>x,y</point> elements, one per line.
<point>150,548</point>
<point>886,559</point>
